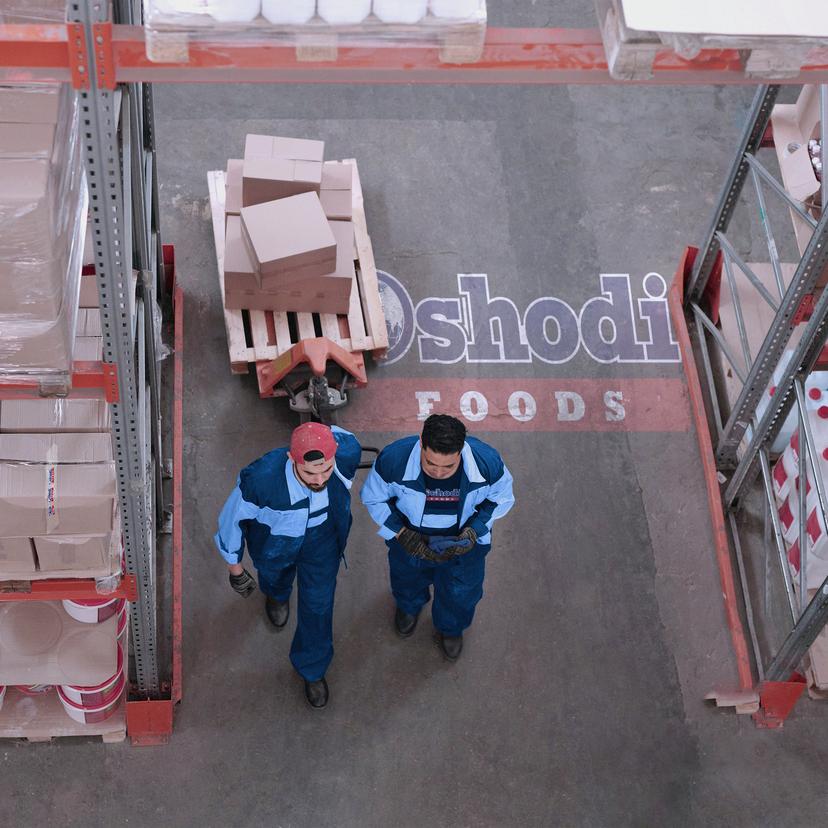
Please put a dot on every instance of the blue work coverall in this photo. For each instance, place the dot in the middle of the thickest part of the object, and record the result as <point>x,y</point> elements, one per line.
<point>292,533</point>
<point>395,496</point>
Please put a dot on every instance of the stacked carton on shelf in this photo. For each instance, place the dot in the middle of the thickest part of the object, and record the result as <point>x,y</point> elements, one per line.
<point>58,498</point>
<point>289,243</point>
<point>42,215</point>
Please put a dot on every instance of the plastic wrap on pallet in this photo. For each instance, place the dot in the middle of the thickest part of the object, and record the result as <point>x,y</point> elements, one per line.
<point>777,39</point>
<point>43,203</point>
<point>171,24</point>
<point>42,11</point>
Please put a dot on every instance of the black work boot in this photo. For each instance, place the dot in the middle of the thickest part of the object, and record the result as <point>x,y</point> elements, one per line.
<point>278,612</point>
<point>316,693</point>
<point>451,645</point>
<point>404,623</point>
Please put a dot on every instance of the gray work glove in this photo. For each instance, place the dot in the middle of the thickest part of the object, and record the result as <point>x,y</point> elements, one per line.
<point>244,584</point>
<point>415,544</point>
<point>463,543</point>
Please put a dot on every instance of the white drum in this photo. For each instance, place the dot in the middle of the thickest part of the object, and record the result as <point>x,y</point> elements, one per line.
<point>400,11</point>
<point>344,12</point>
<point>288,12</point>
<point>234,11</point>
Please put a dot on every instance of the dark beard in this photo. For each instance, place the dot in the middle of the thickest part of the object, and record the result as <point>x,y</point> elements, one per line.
<point>317,488</point>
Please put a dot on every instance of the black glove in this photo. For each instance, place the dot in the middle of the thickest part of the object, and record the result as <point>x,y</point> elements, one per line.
<point>465,542</point>
<point>243,584</point>
<point>415,544</point>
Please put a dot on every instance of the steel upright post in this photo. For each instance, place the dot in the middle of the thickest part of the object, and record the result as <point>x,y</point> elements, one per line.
<point>113,264</point>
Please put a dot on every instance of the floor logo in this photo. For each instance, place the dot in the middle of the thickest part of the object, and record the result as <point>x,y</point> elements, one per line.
<point>476,327</point>
<point>399,316</point>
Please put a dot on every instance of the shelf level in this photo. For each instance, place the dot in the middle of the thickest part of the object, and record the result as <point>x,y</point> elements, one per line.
<point>75,589</point>
<point>42,718</point>
<point>89,380</point>
<point>510,56</point>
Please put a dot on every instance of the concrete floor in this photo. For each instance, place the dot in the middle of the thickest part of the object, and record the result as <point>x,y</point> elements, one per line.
<point>578,699</point>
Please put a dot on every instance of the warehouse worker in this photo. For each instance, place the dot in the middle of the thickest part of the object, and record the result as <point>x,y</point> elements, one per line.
<point>435,499</point>
<point>292,508</point>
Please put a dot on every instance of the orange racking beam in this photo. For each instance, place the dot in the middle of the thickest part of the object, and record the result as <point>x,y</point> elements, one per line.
<point>510,56</point>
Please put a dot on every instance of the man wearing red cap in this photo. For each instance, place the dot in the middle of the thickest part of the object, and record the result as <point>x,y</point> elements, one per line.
<point>292,508</point>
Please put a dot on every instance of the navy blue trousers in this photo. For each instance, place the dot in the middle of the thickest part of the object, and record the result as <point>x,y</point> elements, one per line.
<point>315,571</point>
<point>458,586</point>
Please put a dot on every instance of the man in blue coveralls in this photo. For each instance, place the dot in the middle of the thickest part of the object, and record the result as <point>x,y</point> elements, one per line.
<point>435,499</point>
<point>292,508</point>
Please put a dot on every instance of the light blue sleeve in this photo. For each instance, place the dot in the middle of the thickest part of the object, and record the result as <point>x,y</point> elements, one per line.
<point>499,500</point>
<point>376,494</point>
<point>348,452</point>
<point>229,540</point>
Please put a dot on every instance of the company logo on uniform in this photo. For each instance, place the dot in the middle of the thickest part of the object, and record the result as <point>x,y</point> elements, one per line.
<point>476,327</point>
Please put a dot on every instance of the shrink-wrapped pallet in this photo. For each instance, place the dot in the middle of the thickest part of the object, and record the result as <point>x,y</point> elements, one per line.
<point>458,27</point>
<point>43,202</point>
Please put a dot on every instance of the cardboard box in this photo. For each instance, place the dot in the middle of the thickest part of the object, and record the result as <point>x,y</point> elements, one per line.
<point>43,644</point>
<point>40,347</point>
<point>56,498</point>
<point>16,557</point>
<point>46,416</point>
<point>56,448</point>
<point>277,167</point>
<point>89,291</point>
<point>88,348</point>
<point>25,207</point>
<point>330,293</point>
<point>30,105</point>
<point>31,288</point>
<point>793,126</point>
<point>336,193</point>
<point>89,322</point>
<point>268,179</point>
<point>343,232</point>
<point>233,187</point>
<point>27,140</point>
<point>60,553</point>
<point>88,247</point>
<point>311,296</point>
<point>288,234</point>
<point>239,271</point>
<point>56,484</point>
<point>294,149</point>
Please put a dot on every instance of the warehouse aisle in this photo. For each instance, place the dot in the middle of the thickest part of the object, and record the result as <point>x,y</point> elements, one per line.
<point>578,698</point>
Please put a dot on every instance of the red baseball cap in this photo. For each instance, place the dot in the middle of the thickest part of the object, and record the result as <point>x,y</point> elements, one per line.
<point>312,437</point>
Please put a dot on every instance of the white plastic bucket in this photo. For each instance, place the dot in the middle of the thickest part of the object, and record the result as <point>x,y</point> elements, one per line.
<point>455,9</point>
<point>95,695</point>
<point>342,12</point>
<point>95,611</point>
<point>34,689</point>
<point>234,11</point>
<point>400,11</point>
<point>94,713</point>
<point>121,632</point>
<point>288,12</point>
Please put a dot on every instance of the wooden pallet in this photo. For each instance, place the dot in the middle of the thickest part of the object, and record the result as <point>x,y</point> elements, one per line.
<point>259,336</point>
<point>458,41</point>
<point>42,718</point>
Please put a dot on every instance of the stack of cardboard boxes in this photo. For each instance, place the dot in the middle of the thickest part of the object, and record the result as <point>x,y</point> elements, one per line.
<point>58,498</point>
<point>42,214</point>
<point>289,240</point>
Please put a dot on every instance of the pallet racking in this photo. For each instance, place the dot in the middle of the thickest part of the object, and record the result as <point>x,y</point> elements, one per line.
<point>105,60</point>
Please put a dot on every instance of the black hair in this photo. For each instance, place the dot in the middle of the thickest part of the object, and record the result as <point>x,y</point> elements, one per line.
<point>313,456</point>
<point>443,434</point>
